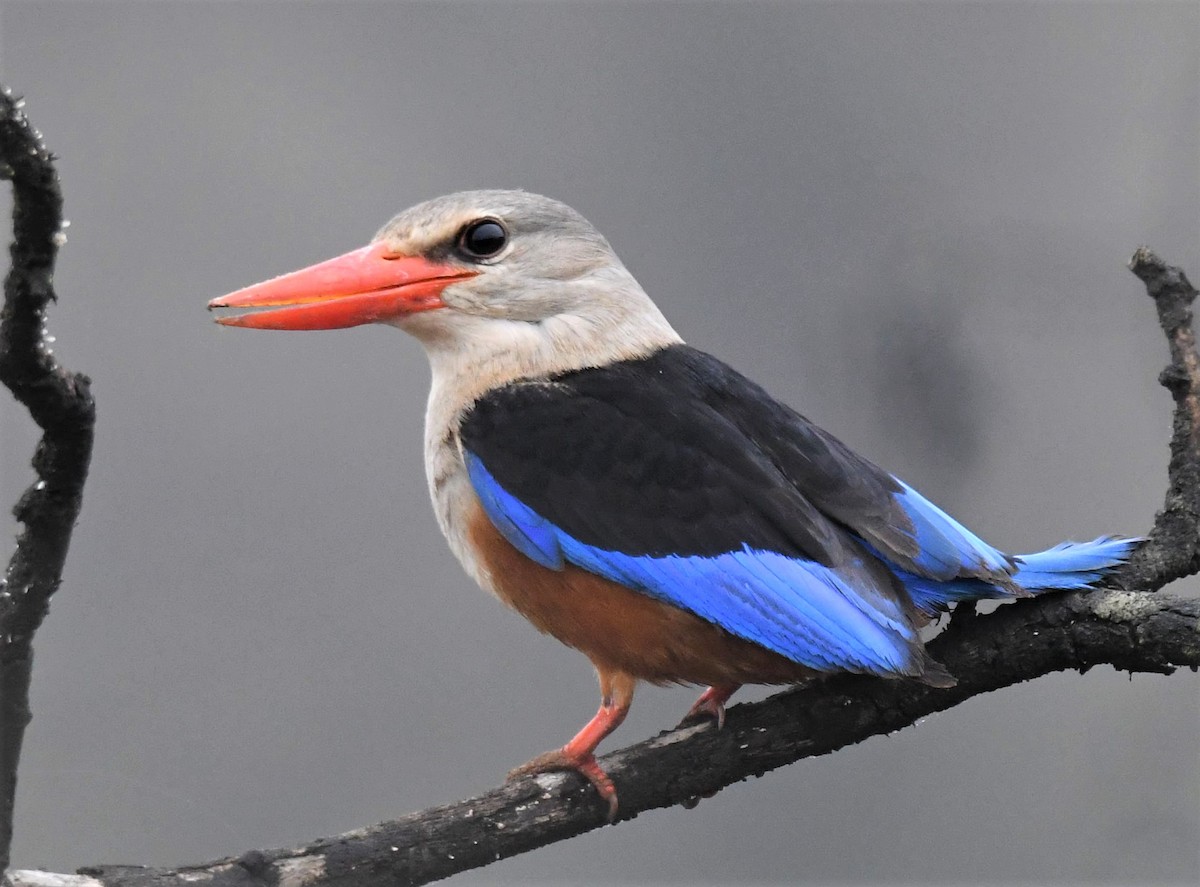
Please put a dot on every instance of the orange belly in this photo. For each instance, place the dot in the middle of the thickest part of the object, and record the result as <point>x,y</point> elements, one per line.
<point>623,630</point>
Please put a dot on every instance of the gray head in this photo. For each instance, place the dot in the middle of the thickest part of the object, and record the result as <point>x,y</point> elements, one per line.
<point>524,245</point>
<point>546,279</point>
<point>495,283</point>
<point>505,282</point>
<point>535,257</point>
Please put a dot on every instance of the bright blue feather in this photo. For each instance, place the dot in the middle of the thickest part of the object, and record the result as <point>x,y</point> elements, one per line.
<point>946,549</point>
<point>822,617</point>
<point>1066,566</point>
<point>1072,564</point>
<point>530,534</point>
<point>809,613</point>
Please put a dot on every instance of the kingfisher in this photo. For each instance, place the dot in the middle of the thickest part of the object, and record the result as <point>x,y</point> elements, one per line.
<point>637,498</point>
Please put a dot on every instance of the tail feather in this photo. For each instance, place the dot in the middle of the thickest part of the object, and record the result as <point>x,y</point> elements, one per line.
<point>1072,564</point>
<point>1066,566</point>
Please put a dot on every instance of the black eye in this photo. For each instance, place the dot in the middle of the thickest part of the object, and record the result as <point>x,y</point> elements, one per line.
<point>482,239</point>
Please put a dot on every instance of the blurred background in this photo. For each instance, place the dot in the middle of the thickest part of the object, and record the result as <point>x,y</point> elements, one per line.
<point>909,221</point>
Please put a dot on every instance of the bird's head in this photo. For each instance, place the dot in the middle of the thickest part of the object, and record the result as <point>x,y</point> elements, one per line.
<point>481,271</point>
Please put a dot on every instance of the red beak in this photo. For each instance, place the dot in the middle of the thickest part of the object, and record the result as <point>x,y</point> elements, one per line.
<point>363,286</point>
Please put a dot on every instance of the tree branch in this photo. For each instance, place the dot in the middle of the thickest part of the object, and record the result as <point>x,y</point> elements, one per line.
<point>61,404</point>
<point>1138,631</point>
<point>1130,627</point>
<point>1172,548</point>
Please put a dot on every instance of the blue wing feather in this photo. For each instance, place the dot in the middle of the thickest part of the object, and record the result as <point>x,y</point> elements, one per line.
<point>1066,566</point>
<point>528,532</point>
<point>678,477</point>
<point>812,614</point>
<point>946,549</point>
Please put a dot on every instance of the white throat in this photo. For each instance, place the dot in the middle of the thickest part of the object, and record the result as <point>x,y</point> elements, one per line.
<point>470,355</point>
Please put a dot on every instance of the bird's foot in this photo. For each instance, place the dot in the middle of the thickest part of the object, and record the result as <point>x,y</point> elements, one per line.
<point>703,709</point>
<point>711,704</point>
<point>584,764</point>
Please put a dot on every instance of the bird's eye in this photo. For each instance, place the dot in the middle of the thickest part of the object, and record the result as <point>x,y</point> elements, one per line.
<point>482,239</point>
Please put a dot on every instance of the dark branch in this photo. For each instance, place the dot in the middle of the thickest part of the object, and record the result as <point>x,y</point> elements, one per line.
<point>61,404</point>
<point>1133,627</point>
<point>1172,549</point>
<point>1137,631</point>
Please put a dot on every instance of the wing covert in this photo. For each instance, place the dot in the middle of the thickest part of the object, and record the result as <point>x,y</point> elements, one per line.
<point>894,519</point>
<point>626,473</point>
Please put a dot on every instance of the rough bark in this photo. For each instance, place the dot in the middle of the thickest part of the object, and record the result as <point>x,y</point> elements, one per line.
<point>1172,549</point>
<point>1131,626</point>
<point>1137,631</point>
<point>61,404</point>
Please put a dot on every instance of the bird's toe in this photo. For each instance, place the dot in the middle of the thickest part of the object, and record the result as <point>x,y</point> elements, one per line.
<point>585,765</point>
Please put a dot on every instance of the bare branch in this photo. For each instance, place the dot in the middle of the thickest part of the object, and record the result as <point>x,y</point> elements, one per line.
<point>1136,631</point>
<point>1172,549</point>
<point>61,404</point>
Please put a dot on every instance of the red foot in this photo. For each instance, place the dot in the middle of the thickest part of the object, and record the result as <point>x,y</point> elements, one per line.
<point>711,704</point>
<point>583,764</point>
<point>616,693</point>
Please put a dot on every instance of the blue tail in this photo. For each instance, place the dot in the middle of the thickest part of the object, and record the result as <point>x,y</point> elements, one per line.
<point>1072,564</point>
<point>1068,565</point>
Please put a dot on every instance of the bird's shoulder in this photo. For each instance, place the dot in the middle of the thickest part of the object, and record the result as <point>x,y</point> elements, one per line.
<point>639,453</point>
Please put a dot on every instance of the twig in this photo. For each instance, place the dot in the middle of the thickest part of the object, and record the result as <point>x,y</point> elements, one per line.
<point>61,404</point>
<point>1172,549</point>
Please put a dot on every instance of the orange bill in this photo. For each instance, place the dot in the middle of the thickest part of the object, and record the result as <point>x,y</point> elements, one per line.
<point>367,285</point>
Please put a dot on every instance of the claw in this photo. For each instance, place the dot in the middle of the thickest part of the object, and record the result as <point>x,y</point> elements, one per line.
<point>711,704</point>
<point>583,764</point>
<point>616,694</point>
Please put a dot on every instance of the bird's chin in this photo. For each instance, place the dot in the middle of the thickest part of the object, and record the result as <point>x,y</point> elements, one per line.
<point>435,327</point>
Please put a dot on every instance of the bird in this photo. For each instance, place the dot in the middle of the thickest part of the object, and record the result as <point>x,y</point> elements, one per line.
<point>635,497</point>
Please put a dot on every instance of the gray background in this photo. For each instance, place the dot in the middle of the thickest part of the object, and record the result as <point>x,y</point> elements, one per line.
<point>909,221</point>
